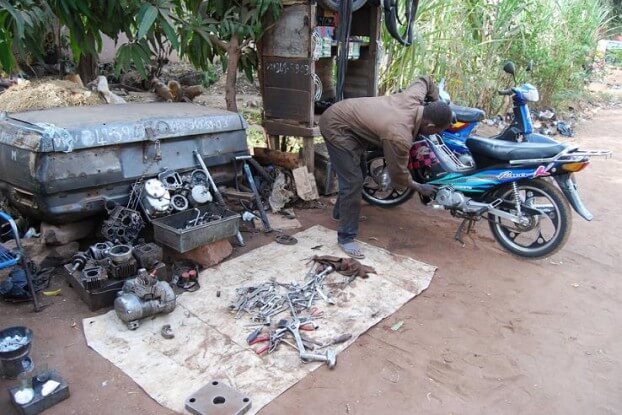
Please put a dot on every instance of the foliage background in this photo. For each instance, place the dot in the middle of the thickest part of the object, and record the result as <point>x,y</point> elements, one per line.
<point>464,41</point>
<point>467,42</point>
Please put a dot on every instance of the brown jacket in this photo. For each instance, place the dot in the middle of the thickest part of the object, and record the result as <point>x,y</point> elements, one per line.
<point>389,122</point>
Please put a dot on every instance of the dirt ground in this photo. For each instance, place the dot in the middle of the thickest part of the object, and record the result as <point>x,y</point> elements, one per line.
<point>492,335</point>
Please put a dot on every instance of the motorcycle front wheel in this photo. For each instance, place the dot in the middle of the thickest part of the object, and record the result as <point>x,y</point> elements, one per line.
<point>376,191</point>
<point>543,234</point>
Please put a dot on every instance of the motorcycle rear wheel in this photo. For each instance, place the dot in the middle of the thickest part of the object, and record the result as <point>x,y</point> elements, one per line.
<point>373,191</point>
<point>556,215</point>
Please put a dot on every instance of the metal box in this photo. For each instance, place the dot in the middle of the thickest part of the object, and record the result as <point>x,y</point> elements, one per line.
<point>64,164</point>
<point>171,230</point>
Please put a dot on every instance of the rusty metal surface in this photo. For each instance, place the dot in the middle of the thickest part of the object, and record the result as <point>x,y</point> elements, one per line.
<point>216,398</point>
<point>70,129</point>
<point>59,186</point>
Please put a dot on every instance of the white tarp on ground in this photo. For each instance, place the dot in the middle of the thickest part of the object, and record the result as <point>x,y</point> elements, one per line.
<point>210,344</point>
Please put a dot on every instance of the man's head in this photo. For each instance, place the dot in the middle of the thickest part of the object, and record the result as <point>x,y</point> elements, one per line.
<point>436,118</point>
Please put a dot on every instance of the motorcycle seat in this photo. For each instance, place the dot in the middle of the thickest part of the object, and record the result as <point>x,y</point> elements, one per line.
<point>467,114</point>
<point>507,150</point>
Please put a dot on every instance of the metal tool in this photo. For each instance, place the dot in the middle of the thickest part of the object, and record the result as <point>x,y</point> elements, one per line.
<point>253,186</point>
<point>217,193</point>
<point>217,398</point>
<point>330,357</point>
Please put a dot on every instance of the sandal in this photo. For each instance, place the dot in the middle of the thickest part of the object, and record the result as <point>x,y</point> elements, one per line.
<point>352,249</point>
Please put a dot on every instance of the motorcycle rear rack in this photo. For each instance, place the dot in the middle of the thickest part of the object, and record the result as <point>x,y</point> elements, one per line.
<point>447,158</point>
<point>569,155</point>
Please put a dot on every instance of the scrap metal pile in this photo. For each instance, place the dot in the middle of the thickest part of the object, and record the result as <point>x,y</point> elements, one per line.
<point>266,301</point>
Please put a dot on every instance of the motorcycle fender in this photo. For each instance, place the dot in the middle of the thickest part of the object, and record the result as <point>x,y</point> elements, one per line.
<point>569,188</point>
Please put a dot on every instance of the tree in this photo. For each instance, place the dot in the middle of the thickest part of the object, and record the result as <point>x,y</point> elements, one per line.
<point>22,25</point>
<point>239,27</point>
<point>202,30</point>
<point>86,21</point>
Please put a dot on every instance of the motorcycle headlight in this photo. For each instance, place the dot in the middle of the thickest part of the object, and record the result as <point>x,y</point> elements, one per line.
<point>530,93</point>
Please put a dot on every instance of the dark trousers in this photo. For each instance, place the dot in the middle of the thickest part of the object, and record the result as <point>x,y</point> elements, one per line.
<point>347,165</point>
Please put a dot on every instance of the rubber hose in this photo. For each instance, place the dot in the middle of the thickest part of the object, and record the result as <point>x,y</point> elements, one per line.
<point>391,21</point>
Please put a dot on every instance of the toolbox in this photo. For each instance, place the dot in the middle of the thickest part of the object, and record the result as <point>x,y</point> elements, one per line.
<point>174,232</point>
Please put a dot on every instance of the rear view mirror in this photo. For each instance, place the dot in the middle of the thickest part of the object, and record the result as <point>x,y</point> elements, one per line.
<point>509,68</point>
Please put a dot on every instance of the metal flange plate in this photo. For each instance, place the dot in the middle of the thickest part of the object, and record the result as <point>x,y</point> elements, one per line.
<point>216,398</point>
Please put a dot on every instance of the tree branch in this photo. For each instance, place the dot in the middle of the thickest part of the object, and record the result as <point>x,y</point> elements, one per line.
<point>218,42</point>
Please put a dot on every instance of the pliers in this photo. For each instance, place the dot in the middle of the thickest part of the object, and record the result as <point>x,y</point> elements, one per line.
<point>261,339</point>
<point>315,312</point>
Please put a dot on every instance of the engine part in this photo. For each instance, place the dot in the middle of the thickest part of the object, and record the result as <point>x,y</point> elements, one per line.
<point>14,348</point>
<point>120,253</point>
<point>200,195</point>
<point>171,180</point>
<point>156,198</point>
<point>198,177</point>
<point>100,250</point>
<point>123,270</point>
<point>167,332</point>
<point>217,398</point>
<point>148,255</point>
<point>92,278</point>
<point>123,225</point>
<point>451,199</point>
<point>142,297</point>
<point>79,260</point>
<point>179,202</point>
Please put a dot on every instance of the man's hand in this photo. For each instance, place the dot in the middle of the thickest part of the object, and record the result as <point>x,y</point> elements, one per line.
<point>424,189</point>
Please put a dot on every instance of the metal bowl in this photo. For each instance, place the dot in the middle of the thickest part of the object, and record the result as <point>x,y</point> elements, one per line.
<point>21,350</point>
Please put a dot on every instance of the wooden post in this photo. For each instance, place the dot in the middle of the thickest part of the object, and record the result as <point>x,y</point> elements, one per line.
<point>274,142</point>
<point>308,153</point>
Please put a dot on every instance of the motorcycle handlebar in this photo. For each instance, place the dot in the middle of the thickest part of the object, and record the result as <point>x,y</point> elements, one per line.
<point>505,91</point>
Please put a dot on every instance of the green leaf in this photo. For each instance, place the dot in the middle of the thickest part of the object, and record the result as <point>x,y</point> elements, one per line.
<point>148,14</point>
<point>167,26</point>
<point>6,57</point>
<point>17,19</point>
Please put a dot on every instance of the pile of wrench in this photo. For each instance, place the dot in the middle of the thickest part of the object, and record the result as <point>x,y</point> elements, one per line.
<point>265,301</point>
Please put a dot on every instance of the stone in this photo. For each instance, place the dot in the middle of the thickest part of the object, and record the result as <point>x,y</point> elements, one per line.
<point>32,246</point>
<point>63,234</point>
<point>207,255</point>
<point>60,255</point>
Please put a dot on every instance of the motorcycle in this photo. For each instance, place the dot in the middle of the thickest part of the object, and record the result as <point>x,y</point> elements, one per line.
<point>523,188</point>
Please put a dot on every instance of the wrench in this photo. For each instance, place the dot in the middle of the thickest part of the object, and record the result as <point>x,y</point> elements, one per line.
<point>330,357</point>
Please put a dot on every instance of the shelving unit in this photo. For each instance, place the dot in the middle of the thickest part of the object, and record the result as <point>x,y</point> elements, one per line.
<point>287,68</point>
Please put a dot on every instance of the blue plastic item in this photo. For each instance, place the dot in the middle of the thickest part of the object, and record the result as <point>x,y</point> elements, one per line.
<point>10,259</point>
